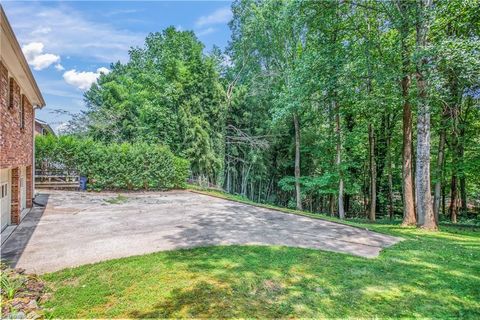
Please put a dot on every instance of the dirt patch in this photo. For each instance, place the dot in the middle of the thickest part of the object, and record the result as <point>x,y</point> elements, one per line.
<point>22,294</point>
<point>272,286</point>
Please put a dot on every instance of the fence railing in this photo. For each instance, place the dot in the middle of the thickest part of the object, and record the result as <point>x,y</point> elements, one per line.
<point>56,179</point>
<point>203,182</point>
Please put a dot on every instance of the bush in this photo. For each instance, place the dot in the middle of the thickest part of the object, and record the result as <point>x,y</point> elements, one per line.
<point>113,166</point>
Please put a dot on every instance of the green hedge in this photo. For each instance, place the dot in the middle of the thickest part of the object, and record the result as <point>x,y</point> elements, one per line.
<point>113,166</point>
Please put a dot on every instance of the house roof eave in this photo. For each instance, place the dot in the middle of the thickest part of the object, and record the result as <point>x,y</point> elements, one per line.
<point>12,39</point>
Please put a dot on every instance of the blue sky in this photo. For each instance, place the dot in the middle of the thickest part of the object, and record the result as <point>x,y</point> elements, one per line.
<point>68,43</point>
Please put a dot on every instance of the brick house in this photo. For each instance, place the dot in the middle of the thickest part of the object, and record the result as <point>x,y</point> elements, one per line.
<point>19,97</point>
<point>43,128</point>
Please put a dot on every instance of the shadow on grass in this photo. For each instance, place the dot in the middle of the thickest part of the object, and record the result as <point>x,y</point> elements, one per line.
<point>432,275</point>
<point>324,284</point>
<point>203,299</point>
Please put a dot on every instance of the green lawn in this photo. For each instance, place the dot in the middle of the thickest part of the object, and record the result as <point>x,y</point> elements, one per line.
<point>433,275</point>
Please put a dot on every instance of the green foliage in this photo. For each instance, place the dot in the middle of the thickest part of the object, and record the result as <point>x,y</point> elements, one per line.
<point>318,185</point>
<point>119,199</point>
<point>115,165</point>
<point>9,285</point>
<point>323,59</point>
<point>168,93</point>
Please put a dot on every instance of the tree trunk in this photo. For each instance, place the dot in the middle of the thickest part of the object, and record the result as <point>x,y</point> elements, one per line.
<point>373,173</point>
<point>444,202</point>
<point>463,194</point>
<point>454,199</point>
<point>365,187</point>
<point>228,178</point>
<point>341,210</point>
<point>439,176</point>
<point>463,182</point>
<point>243,180</point>
<point>297,162</point>
<point>426,218</point>
<point>390,179</point>
<point>455,146</point>
<point>332,205</point>
<point>259,199</point>
<point>269,189</point>
<point>409,217</point>
<point>347,202</point>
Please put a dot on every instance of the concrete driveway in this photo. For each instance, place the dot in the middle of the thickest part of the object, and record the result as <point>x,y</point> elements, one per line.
<point>77,228</point>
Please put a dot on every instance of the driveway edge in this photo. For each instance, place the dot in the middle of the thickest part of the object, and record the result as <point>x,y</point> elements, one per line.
<point>289,211</point>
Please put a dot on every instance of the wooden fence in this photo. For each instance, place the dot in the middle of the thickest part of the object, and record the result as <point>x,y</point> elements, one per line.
<point>56,179</point>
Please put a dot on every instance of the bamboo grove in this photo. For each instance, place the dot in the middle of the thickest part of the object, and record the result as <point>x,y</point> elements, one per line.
<point>352,108</point>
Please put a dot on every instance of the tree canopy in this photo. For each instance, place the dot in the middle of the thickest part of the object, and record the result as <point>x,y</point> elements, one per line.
<point>168,93</point>
<point>356,108</point>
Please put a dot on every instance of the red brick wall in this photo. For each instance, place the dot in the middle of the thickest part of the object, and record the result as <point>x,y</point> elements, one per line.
<point>16,144</point>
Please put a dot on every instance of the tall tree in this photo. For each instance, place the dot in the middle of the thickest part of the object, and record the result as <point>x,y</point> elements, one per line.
<point>373,172</point>
<point>426,218</point>
<point>440,165</point>
<point>404,12</point>
<point>306,109</point>
<point>298,193</point>
<point>168,93</point>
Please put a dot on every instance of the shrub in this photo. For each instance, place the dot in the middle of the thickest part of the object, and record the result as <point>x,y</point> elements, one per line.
<point>113,166</point>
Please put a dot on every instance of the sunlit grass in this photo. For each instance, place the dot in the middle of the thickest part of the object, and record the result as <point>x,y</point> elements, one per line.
<point>119,199</point>
<point>429,274</point>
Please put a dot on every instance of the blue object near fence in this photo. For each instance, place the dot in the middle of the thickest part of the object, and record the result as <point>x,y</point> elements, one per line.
<point>83,183</point>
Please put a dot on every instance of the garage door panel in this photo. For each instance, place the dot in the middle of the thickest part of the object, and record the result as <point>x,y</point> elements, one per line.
<point>5,196</point>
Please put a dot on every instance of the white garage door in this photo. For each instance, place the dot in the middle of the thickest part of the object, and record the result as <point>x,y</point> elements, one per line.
<point>5,191</point>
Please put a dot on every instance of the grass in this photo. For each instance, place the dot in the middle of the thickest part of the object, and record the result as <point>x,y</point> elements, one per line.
<point>119,199</point>
<point>9,285</point>
<point>429,274</point>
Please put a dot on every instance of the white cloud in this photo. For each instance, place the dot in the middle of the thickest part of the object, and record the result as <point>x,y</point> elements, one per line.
<point>61,127</point>
<point>227,61</point>
<point>59,67</point>
<point>121,12</point>
<point>41,30</point>
<point>34,54</point>
<point>32,49</point>
<point>44,61</point>
<point>103,70</point>
<point>221,15</point>
<point>66,31</point>
<point>83,79</point>
<point>204,32</point>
